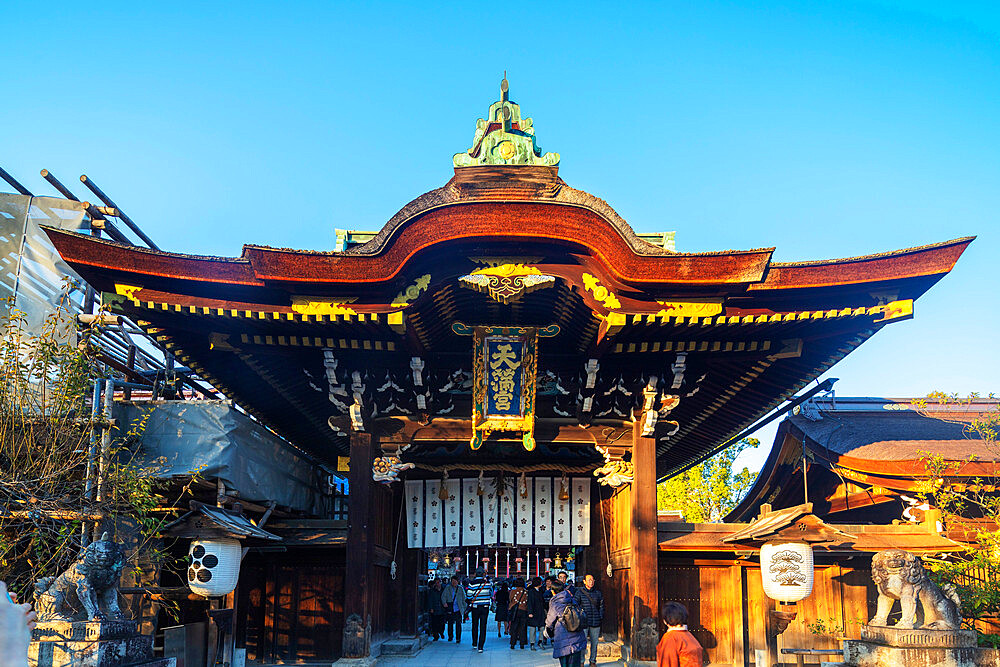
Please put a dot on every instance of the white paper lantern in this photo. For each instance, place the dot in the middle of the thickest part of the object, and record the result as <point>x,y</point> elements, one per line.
<point>215,566</point>
<point>787,570</point>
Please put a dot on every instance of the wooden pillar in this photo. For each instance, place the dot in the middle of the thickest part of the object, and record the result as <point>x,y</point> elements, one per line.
<point>357,596</point>
<point>643,578</point>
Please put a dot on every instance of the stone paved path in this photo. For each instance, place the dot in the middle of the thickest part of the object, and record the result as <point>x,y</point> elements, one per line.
<point>496,653</point>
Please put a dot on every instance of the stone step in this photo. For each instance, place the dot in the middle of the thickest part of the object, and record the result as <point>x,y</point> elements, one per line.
<point>400,646</point>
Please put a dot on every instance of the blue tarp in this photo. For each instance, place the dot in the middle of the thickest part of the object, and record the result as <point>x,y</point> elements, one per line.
<point>215,440</point>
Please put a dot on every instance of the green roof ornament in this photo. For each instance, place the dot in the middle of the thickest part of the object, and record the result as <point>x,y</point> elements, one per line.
<point>505,138</point>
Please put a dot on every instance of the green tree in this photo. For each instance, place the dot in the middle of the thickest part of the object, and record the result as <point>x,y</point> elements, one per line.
<point>58,483</point>
<point>972,506</point>
<point>708,491</point>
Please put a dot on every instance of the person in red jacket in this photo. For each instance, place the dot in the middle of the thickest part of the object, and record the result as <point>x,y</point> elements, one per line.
<point>678,647</point>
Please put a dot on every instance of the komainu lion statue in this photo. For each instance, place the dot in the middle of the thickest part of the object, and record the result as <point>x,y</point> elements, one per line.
<point>88,590</point>
<point>899,575</point>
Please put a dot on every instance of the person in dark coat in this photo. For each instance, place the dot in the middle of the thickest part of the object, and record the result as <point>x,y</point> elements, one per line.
<point>502,598</point>
<point>518,607</point>
<point>567,646</point>
<point>592,605</point>
<point>438,613</point>
<point>547,598</point>
<point>536,613</point>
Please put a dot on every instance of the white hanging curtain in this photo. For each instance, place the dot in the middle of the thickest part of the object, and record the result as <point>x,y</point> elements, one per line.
<point>467,519</point>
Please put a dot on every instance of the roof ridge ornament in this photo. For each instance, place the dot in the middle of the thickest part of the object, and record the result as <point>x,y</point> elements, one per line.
<point>505,138</point>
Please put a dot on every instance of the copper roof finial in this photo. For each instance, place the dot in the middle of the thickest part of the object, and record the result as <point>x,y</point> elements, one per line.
<point>504,137</point>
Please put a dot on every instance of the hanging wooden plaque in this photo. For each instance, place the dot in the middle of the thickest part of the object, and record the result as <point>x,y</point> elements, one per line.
<point>503,390</point>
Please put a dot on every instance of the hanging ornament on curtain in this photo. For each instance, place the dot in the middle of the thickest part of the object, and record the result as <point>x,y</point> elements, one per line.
<point>610,571</point>
<point>558,562</point>
<point>564,488</point>
<point>443,491</point>
<point>523,485</point>
<point>481,485</point>
<point>501,483</point>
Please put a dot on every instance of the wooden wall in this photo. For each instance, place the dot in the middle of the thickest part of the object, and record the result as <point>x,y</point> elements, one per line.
<point>615,506</point>
<point>727,605</point>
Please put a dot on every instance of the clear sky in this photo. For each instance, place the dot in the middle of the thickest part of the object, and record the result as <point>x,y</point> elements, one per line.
<point>826,129</point>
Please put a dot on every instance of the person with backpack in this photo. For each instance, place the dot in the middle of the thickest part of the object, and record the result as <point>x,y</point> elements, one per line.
<point>592,604</point>
<point>564,624</point>
<point>518,615</point>
<point>536,613</point>
<point>479,596</point>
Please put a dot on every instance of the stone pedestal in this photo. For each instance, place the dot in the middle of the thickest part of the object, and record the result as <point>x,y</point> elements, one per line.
<point>894,647</point>
<point>92,644</point>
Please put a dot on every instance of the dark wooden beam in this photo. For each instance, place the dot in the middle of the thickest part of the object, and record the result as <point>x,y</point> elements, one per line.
<point>398,431</point>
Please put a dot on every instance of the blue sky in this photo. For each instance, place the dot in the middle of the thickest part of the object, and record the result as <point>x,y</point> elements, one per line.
<point>825,129</point>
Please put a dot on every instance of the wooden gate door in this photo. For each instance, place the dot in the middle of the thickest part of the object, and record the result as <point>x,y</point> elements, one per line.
<point>294,607</point>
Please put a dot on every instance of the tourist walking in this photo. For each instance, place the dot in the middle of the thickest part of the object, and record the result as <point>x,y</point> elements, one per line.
<point>453,599</point>
<point>438,612</point>
<point>677,646</point>
<point>536,613</point>
<point>518,613</point>
<point>502,599</point>
<point>547,598</point>
<point>479,596</point>
<point>567,645</point>
<point>591,603</point>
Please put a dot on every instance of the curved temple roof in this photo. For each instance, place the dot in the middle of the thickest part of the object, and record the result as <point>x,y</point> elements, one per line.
<point>731,332</point>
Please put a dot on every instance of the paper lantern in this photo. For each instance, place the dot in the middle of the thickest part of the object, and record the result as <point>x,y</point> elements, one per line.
<point>215,566</point>
<point>787,570</point>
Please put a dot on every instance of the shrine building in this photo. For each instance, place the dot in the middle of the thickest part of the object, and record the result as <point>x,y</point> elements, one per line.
<point>504,371</point>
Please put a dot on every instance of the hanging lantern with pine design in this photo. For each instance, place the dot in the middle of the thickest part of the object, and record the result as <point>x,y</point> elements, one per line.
<point>787,570</point>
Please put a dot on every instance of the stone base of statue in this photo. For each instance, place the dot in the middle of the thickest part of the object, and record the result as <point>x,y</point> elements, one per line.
<point>882,646</point>
<point>92,644</point>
